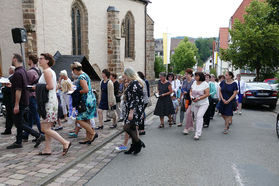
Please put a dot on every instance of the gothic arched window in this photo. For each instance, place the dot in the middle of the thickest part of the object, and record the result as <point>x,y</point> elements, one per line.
<point>129,36</point>
<point>79,29</point>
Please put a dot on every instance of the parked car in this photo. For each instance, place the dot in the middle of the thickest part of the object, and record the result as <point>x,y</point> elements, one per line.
<point>273,83</point>
<point>258,93</point>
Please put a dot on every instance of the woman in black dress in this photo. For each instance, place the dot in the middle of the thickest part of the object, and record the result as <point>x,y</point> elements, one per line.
<point>228,91</point>
<point>134,109</point>
<point>164,106</point>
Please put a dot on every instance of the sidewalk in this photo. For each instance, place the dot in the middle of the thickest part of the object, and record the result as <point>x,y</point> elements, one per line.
<point>24,167</point>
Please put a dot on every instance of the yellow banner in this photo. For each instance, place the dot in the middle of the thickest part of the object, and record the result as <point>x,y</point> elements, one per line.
<point>165,48</point>
<point>216,56</point>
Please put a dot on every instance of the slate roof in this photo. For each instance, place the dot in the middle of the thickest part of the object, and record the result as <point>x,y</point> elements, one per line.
<point>63,62</point>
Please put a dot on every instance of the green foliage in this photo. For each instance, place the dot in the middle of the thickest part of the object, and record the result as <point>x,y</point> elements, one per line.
<point>213,71</point>
<point>255,43</point>
<point>267,73</point>
<point>273,16</point>
<point>204,46</point>
<point>184,56</point>
<point>158,66</point>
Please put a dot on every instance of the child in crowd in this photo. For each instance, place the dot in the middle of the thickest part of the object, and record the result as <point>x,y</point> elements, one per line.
<point>176,107</point>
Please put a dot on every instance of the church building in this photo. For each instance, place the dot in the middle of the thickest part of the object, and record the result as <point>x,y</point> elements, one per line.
<point>111,34</point>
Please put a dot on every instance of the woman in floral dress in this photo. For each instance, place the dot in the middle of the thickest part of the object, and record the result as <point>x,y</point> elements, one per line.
<point>49,78</point>
<point>134,109</point>
<point>87,97</point>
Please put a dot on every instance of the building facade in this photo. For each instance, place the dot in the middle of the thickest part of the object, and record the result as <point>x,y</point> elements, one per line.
<point>111,34</point>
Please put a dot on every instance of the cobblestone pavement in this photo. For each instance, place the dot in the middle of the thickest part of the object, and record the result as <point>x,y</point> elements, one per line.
<point>24,167</point>
<point>89,167</point>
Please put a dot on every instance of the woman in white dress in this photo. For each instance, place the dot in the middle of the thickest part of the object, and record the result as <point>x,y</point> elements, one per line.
<point>49,78</point>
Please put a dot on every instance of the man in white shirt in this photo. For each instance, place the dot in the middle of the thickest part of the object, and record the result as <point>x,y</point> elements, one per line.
<point>241,90</point>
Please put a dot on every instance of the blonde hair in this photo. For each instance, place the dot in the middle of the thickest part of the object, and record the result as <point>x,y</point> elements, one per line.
<point>63,73</point>
<point>133,75</point>
<point>77,66</point>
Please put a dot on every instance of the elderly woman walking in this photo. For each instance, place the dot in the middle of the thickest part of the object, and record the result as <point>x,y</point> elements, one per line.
<point>65,85</point>
<point>164,106</point>
<point>134,109</point>
<point>87,105</point>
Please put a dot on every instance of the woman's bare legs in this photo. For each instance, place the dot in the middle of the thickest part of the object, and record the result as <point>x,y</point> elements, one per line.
<point>100,115</point>
<point>89,131</point>
<point>46,128</point>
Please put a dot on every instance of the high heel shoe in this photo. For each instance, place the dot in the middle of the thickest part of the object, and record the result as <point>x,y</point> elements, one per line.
<point>83,142</point>
<point>95,136</point>
<point>131,150</point>
<point>100,127</point>
<point>138,147</point>
<point>142,144</point>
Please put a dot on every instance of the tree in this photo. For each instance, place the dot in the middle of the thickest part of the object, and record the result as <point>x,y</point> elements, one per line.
<point>204,46</point>
<point>184,56</point>
<point>158,66</point>
<point>255,43</point>
<point>273,16</point>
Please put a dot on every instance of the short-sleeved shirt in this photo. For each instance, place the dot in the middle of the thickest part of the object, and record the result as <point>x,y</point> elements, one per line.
<point>198,91</point>
<point>19,82</point>
<point>227,90</point>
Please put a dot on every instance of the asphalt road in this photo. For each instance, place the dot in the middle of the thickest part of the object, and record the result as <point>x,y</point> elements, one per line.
<point>248,155</point>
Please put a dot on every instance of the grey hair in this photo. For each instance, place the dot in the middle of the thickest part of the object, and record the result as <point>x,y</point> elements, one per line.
<point>163,74</point>
<point>133,75</point>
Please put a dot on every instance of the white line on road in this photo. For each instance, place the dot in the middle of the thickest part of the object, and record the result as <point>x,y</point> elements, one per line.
<point>237,175</point>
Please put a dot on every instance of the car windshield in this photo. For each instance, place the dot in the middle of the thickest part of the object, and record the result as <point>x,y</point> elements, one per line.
<point>258,86</point>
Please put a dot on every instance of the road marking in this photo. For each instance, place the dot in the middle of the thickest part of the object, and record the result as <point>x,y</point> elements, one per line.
<point>237,175</point>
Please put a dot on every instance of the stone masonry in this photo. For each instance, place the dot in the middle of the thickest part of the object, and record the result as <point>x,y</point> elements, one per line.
<point>150,49</point>
<point>29,23</point>
<point>113,39</point>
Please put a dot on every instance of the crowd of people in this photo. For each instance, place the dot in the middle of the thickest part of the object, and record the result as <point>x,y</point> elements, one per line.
<point>198,96</point>
<point>37,97</point>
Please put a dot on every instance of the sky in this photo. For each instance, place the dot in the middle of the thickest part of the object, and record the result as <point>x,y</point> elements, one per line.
<point>192,18</point>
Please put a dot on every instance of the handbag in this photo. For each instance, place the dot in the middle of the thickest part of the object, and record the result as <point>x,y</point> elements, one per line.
<point>81,107</point>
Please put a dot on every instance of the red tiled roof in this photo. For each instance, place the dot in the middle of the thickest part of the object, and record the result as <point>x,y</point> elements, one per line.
<point>224,38</point>
<point>241,10</point>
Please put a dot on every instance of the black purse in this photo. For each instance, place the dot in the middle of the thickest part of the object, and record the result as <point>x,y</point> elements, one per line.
<point>81,107</point>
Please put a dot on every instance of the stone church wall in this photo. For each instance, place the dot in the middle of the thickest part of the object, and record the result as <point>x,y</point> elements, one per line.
<point>54,29</point>
<point>10,17</point>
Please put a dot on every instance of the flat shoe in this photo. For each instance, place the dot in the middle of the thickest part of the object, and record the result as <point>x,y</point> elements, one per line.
<point>44,154</point>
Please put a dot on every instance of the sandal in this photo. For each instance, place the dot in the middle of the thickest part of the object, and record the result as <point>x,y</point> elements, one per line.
<point>179,125</point>
<point>161,126</point>
<point>65,151</point>
<point>225,131</point>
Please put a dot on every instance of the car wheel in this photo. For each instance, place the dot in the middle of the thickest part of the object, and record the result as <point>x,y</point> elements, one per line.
<point>273,106</point>
<point>277,126</point>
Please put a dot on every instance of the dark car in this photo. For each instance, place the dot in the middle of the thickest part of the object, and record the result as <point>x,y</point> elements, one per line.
<point>258,93</point>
